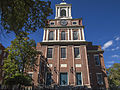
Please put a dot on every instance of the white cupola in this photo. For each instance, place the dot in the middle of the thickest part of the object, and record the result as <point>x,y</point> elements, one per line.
<point>63,11</point>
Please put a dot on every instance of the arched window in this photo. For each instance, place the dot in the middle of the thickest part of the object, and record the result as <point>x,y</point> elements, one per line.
<point>51,35</point>
<point>63,13</point>
<point>63,35</point>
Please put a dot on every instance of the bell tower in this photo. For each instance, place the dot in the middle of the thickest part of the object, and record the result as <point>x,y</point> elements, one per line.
<point>63,11</point>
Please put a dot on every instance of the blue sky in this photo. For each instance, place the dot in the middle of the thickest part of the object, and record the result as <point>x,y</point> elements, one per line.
<point>101,19</point>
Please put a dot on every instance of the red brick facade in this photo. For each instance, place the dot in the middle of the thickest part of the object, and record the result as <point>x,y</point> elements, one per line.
<point>87,69</point>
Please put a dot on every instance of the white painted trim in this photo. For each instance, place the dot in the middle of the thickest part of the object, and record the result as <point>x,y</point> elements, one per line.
<point>58,34</point>
<point>83,34</point>
<point>30,72</point>
<point>65,41</point>
<point>52,52</point>
<point>79,52</point>
<point>47,35</point>
<point>55,34</point>
<point>65,28</point>
<point>80,34</point>
<point>68,35</point>
<point>81,77</point>
<point>44,36</point>
<point>71,34</point>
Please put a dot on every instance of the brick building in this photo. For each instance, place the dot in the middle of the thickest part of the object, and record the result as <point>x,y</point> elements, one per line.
<point>2,56</point>
<point>71,60</point>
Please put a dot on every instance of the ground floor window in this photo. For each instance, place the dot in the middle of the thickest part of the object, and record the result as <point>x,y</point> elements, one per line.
<point>48,79</point>
<point>63,79</point>
<point>78,78</point>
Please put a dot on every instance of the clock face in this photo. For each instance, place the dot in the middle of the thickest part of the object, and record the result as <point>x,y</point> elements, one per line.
<point>63,22</point>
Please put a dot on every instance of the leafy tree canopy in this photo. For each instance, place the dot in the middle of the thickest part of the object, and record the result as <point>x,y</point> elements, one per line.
<point>24,15</point>
<point>22,56</point>
<point>114,76</point>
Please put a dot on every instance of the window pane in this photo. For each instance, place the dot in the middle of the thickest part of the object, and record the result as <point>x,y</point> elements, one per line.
<point>76,53</point>
<point>75,35</point>
<point>48,79</point>
<point>99,79</point>
<point>97,61</point>
<point>51,35</point>
<point>78,79</point>
<point>0,51</point>
<point>63,13</point>
<point>63,52</point>
<point>63,35</point>
<point>63,79</point>
<point>49,53</point>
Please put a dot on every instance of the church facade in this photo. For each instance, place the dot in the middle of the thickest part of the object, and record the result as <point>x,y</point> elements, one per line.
<point>70,59</point>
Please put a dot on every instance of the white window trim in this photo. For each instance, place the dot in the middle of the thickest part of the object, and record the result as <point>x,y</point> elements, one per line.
<point>66,52</point>
<point>79,52</point>
<point>52,51</point>
<point>53,35</point>
<point>65,36</point>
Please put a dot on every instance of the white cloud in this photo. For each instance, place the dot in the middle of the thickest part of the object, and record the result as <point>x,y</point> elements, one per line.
<point>115,48</point>
<point>115,56</point>
<point>107,44</point>
<point>118,38</point>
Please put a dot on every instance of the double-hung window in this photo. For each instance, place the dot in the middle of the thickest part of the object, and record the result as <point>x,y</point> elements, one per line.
<point>97,60</point>
<point>51,35</point>
<point>49,52</point>
<point>63,35</point>
<point>75,35</point>
<point>76,52</point>
<point>99,78</point>
<point>63,52</point>
<point>78,79</point>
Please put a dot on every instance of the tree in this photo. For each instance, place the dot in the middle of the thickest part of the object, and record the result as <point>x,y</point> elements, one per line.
<point>114,76</point>
<point>22,57</point>
<point>24,15</point>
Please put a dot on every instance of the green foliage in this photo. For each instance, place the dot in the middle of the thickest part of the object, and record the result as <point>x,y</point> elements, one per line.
<point>24,15</point>
<point>22,57</point>
<point>19,79</point>
<point>114,76</point>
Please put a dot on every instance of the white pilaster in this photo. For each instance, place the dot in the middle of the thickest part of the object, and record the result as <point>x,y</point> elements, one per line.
<point>47,36</point>
<point>56,12</point>
<point>79,34</point>
<point>71,35</point>
<point>58,35</point>
<point>83,36</point>
<point>59,12</point>
<point>55,34</point>
<point>44,36</point>
<point>68,35</point>
<point>67,11</point>
<point>70,11</point>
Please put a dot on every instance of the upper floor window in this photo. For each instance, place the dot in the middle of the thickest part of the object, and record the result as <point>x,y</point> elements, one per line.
<point>63,13</point>
<point>52,23</point>
<point>97,60</point>
<point>77,52</point>
<point>74,23</point>
<point>63,52</point>
<point>75,35</point>
<point>63,35</point>
<point>49,52</point>
<point>0,51</point>
<point>51,35</point>
<point>99,78</point>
